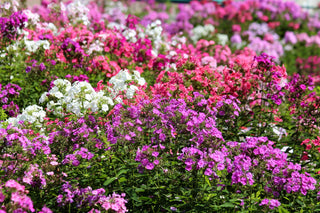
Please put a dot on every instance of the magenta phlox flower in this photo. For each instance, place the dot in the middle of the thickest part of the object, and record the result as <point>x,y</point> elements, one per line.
<point>2,197</point>
<point>272,203</point>
<point>45,210</point>
<point>113,202</point>
<point>217,156</point>
<point>15,185</point>
<point>34,176</point>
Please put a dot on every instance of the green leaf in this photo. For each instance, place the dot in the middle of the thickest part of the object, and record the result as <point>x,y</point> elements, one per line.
<point>107,182</point>
<point>123,179</point>
<point>103,176</point>
<point>207,180</point>
<point>123,171</point>
<point>300,202</point>
<point>258,194</point>
<point>139,190</point>
<point>145,198</point>
<point>228,205</point>
<point>282,210</point>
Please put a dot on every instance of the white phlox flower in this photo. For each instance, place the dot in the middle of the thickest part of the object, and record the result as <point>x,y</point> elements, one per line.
<point>130,35</point>
<point>32,114</point>
<point>222,39</point>
<point>77,11</point>
<point>76,98</point>
<point>131,91</point>
<point>202,32</point>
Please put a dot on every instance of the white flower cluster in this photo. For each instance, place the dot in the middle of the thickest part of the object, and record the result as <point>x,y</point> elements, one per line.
<point>278,131</point>
<point>115,6</point>
<point>77,11</point>
<point>2,53</point>
<point>116,25</point>
<point>7,6</point>
<point>33,46</point>
<point>33,114</point>
<point>177,41</point>
<point>13,47</point>
<point>171,54</point>
<point>119,83</point>
<point>75,98</point>
<point>201,32</point>
<point>96,46</point>
<point>130,35</point>
<point>171,66</point>
<point>30,45</point>
<point>80,96</point>
<point>33,17</point>
<point>117,11</point>
<point>222,39</point>
<point>47,26</point>
<point>154,31</point>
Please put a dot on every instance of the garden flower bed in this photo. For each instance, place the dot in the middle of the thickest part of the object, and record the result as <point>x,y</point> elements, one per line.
<point>147,107</point>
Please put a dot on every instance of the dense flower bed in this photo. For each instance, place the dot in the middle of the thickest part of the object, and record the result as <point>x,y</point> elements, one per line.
<point>151,107</point>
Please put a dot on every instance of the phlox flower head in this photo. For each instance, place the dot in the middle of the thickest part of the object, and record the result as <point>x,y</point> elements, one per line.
<point>272,203</point>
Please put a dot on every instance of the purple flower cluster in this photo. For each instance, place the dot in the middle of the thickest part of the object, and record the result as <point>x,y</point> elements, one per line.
<point>277,78</point>
<point>82,153</point>
<point>165,119</point>
<point>297,87</point>
<point>13,136</point>
<point>9,25</point>
<point>173,122</point>
<point>146,154</point>
<point>271,203</point>
<point>86,197</point>
<point>35,67</point>
<point>70,45</point>
<point>290,37</point>
<point>240,160</point>
<point>7,93</point>
<point>190,14</point>
<point>228,107</point>
<point>80,196</point>
<point>75,78</point>
<point>72,135</point>
<point>73,51</point>
<point>300,183</point>
<point>34,176</point>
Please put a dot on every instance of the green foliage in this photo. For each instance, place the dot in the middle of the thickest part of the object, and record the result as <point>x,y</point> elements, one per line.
<point>3,115</point>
